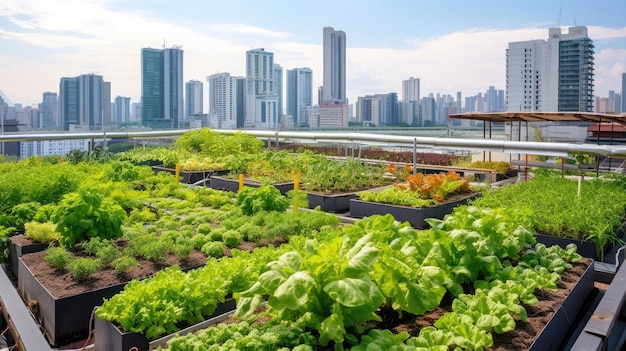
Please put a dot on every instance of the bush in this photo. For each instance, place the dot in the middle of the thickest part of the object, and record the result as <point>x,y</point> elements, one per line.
<point>83,268</point>
<point>58,257</point>
<point>199,240</point>
<point>214,249</point>
<point>41,232</point>
<point>232,238</point>
<point>123,263</point>
<point>204,228</point>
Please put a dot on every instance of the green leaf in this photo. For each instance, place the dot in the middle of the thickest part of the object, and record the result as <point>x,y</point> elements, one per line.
<point>353,292</point>
<point>293,293</point>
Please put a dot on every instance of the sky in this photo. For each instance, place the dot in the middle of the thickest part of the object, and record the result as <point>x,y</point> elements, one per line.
<point>452,46</point>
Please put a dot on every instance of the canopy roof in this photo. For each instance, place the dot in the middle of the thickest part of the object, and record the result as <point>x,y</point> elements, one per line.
<point>542,117</point>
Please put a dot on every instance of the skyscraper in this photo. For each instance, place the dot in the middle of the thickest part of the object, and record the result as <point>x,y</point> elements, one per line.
<point>161,87</point>
<point>121,109</point>
<point>411,89</point>
<point>278,87</point>
<point>225,101</point>
<point>261,99</point>
<point>551,75</point>
<point>623,107</point>
<point>194,98</point>
<point>85,103</point>
<point>334,82</point>
<point>299,94</point>
<point>49,109</point>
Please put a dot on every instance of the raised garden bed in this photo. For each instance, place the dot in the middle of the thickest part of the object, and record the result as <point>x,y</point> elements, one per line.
<point>63,306</point>
<point>228,184</point>
<point>331,202</point>
<point>190,177</point>
<point>20,245</point>
<point>110,337</point>
<point>415,216</point>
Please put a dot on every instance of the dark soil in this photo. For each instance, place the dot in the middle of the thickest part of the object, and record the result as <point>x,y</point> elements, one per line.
<point>60,283</point>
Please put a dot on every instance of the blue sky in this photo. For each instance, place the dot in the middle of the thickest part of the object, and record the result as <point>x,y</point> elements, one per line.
<point>451,46</point>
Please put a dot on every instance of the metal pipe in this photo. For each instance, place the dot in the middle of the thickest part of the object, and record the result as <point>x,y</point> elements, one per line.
<point>522,147</point>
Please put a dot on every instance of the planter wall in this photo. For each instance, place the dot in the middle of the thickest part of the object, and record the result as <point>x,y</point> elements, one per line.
<point>331,203</point>
<point>555,333</point>
<point>227,184</point>
<point>16,250</point>
<point>189,177</point>
<point>108,337</point>
<point>63,319</point>
<point>415,216</point>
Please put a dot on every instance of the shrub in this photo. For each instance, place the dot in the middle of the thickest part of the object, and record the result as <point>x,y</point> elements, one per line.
<point>41,232</point>
<point>204,228</point>
<point>183,247</point>
<point>213,249</point>
<point>57,257</point>
<point>83,268</point>
<point>199,240</point>
<point>232,238</point>
<point>123,263</point>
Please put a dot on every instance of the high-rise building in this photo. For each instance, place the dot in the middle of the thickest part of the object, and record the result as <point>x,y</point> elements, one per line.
<point>225,101</point>
<point>623,107</point>
<point>299,94</point>
<point>261,108</point>
<point>378,110</point>
<point>162,87</point>
<point>194,98</point>
<point>334,82</point>
<point>84,103</point>
<point>411,89</point>
<point>49,109</point>
<point>121,109</point>
<point>551,75</point>
<point>278,87</point>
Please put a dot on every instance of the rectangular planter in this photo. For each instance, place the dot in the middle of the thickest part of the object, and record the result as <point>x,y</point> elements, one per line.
<point>227,184</point>
<point>190,177</point>
<point>415,216</point>
<point>16,250</point>
<point>331,202</point>
<point>63,319</point>
<point>585,248</point>
<point>108,337</point>
<point>554,334</point>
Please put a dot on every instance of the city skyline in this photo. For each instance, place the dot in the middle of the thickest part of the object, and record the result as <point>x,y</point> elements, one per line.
<point>461,49</point>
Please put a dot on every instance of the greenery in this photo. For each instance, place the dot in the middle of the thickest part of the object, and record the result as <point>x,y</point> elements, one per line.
<point>264,198</point>
<point>41,232</point>
<point>58,257</point>
<point>82,268</point>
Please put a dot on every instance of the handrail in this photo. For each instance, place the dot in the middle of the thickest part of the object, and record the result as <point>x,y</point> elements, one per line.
<point>506,146</point>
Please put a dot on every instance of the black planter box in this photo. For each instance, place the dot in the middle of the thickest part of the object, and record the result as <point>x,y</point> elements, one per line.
<point>331,202</point>
<point>17,250</point>
<point>415,216</point>
<point>585,248</point>
<point>554,334</point>
<point>63,319</point>
<point>228,184</point>
<point>190,177</point>
<point>108,337</point>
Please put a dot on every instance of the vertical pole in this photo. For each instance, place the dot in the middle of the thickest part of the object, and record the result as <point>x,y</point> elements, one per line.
<point>526,169</point>
<point>414,156</point>
<point>563,167</point>
<point>489,139</point>
<point>240,181</point>
<point>296,187</point>
<point>484,136</point>
<point>177,173</point>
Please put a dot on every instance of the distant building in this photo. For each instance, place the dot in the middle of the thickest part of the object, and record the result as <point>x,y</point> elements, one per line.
<point>9,125</point>
<point>278,87</point>
<point>261,109</point>
<point>135,111</point>
<point>49,110</point>
<point>623,107</point>
<point>408,112</point>
<point>225,101</point>
<point>162,87</point>
<point>52,147</point>
<point>194,98</point>
<point>299,94</point>
<point>84,103</point>
<point>334,52</point>
<point>121,109</point>
<point>556,74</point>
<point>328,116</point>
<point>411,89</point>
<point>378,110</point>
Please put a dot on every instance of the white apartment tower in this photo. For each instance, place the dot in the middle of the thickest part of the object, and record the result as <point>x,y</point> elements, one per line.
<point>261,108</point>
<point>411,89</point>
<point>334,82</point>
<point>551,75</point>
<point>225,101</point>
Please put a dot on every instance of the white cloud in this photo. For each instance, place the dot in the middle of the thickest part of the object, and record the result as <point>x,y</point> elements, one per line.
<point>245,29</point>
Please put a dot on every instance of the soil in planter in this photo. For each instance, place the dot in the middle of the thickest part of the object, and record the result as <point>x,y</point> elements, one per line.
<point>60,283</point>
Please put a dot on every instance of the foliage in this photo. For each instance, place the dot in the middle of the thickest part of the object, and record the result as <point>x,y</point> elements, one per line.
<point>213,249</point>
<point>328,290</point>
<point>24,213</point>
<point>264,198</point>
<point>123,263</point>
<point>41,232</point>
<point>208,142</point>
<point>4,242</point>
<point>328,176</point>
<point>84,214</point>
<point>82,268</point>
<point>58,257</point>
